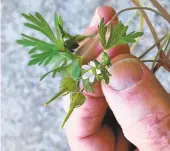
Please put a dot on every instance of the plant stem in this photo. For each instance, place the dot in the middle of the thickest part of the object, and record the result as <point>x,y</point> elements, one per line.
<point>134,14</point>
<point>134,8</point>
<point>149,24</point>
<point>161,9</point>
<point>166,47</point>
<point>84,87</point>
<point>158,65</point>
<point>150,60</point>
<point>56,96</point>
<point>159,51</point>
<point>140,30</point>
<point>148,50</point>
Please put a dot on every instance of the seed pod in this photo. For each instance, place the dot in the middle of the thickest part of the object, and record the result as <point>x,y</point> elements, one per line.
<point>71,44</point>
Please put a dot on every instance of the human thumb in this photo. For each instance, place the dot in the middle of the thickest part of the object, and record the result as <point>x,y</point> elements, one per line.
<point>139,103</point>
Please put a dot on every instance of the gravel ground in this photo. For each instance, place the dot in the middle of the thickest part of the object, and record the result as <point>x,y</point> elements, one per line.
<point>26,124</point>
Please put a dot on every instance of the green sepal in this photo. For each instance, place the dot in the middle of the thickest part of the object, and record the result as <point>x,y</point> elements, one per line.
<point>68,85</point>
<point>77,99</point>
<point>105,60</point>
<point>62,91</point>
<point>87,86</point>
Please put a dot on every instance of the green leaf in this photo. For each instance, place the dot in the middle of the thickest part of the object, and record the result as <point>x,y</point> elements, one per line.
<point>102,33</point>
<point>41,58</point>
<point>62,91</point>
<point>34,61</point>
<point>77,99</point>
<point>25,42</point>
<point>31,18</point>
<point>105,75</point>
<point>117,35</point>
<point>41,45</point>
<point>49,51</point>
<point>54,71</point>
<point>72,70</point>
<point>59,26</point>
<point>130,38</point>
<point>68,55</point>
<point>48,60</point>
<point>69,83</point>
<point>80,38</point>
<point>76,69</point>
<point>105,59</point>
<point>44,75</point>
<point>40,55</point>
<point>38,23</point>
<point>33,50</point>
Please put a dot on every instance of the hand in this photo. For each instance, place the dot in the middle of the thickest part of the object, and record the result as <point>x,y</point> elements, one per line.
<point>138,101</point>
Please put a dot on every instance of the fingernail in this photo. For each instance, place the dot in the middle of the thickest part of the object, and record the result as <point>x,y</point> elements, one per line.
<point>125,73</point>
<point>96,19</point>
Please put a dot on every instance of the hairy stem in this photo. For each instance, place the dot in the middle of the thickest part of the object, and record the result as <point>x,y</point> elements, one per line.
<point>166,47</point>
<point>161,9</point>
<point>149,24</point>
<point>140,30</point>
<point>135,13</point>
<point>149,49</point>
<point>134,8</point>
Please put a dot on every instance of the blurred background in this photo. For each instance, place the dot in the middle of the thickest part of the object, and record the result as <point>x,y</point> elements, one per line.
<point>26,124</point>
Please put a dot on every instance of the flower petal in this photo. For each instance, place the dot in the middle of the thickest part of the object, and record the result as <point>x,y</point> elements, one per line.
<point>92,64</point>
<point>91,78</point>
<point>86,75</point>
<point>86,67</point>
<point>98,71</point>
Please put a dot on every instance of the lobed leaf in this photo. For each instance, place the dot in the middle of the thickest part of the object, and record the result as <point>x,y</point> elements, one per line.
<point>117,35</point>
<point>102,33</point>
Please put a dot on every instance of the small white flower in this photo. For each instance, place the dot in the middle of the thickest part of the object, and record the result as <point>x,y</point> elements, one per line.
<point>86,67</point>
<point>91,71</point>
<point>92,78</point>
<point>92,64</point>
<point>87,75</point>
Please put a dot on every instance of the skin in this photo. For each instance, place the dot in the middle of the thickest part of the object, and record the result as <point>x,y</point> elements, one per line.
<point>138,101</point>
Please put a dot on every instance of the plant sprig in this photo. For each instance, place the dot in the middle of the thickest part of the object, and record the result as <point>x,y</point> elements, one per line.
<point>61,53</point>
<point>118,35</point>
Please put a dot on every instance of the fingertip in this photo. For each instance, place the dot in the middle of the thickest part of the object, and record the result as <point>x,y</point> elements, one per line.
<point>105,12</point>
<point>137,100</point>
<point>113,52</point>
